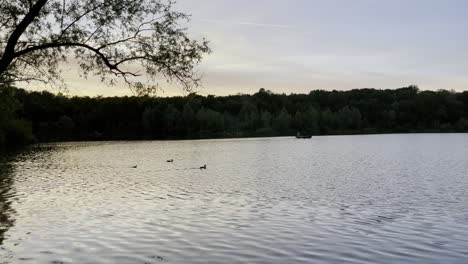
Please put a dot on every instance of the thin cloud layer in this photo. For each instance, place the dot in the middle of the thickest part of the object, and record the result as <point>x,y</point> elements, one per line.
<point>243,23</point>
<point>296,46</point>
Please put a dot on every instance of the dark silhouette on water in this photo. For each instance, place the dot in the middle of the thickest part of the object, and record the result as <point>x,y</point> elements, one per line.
<point>170,160</point>
<point>134,166</point>
<point>298,135</point>
<point>203,167</point>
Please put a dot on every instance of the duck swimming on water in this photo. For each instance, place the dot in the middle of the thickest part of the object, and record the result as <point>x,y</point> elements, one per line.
<point>203,167</point>
<point>135,166</point>
<point>170,160</point>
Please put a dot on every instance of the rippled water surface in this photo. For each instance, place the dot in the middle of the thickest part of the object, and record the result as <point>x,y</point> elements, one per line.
<point>353,199</point>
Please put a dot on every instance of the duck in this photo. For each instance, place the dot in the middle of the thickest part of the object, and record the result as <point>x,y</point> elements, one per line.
<point>203,167</point>
<point>135,166</point>
<point>170,160</point>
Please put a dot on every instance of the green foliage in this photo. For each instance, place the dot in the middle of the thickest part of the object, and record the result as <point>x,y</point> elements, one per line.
<point>13,131</point>
<point>188,117</point>
<point>19,132</point>
<point>462,125</point>
<point>282,122</point>
<point>151,118</point>
<point>262,114</point>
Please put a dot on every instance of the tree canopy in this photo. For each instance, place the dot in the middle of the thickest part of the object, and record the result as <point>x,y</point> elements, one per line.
<point>107,38</point>
<point>361,111</point>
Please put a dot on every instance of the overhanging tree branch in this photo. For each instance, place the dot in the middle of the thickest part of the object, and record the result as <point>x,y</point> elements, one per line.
<point>8,53</point>
<point>105,35</point>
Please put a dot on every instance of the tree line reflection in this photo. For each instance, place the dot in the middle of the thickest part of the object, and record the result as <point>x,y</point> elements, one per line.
<point>7,212</point>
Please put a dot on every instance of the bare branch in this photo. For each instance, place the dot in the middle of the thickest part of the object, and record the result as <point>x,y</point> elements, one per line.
<point>62,15</point>
<point>112,66</point>
<point>92,34</point>
<point>16,34</point>
<point>78,19</point>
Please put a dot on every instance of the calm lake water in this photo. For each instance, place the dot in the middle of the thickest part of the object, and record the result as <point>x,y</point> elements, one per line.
<point>344,199</point>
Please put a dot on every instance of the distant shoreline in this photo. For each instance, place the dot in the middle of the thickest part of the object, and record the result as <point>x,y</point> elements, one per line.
<point>45,117</point>
<point>247,137</point>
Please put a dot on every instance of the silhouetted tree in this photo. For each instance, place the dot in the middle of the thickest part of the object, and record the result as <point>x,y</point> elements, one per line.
<point>13,130</point>
<point>188,116</point>
<point>282,122</point>
<point>54,117</point>
<point>106,37</point>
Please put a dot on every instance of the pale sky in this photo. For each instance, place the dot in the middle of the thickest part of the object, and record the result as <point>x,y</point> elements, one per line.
<point>301,45</point>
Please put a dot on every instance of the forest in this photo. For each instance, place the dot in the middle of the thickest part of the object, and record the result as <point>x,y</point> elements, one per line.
<point>30,116</point>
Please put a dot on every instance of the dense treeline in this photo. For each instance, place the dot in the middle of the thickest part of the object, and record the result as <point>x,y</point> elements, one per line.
<point>56,117</point>
<point>13,129</point>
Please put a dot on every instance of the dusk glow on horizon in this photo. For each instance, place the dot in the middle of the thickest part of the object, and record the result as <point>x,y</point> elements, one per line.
<point>298,46</point>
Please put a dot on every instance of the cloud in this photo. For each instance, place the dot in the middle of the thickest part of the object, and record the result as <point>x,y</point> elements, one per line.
<point>243,23</point>
<point>296,46</point>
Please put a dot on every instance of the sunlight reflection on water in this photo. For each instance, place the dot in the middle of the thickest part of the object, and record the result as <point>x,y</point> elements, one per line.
<point>353,199</point>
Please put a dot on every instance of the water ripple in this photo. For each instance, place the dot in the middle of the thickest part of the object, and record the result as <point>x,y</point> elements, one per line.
<point>360,199</point>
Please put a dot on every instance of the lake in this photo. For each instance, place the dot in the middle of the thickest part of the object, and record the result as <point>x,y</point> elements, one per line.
<point>341,199</point>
